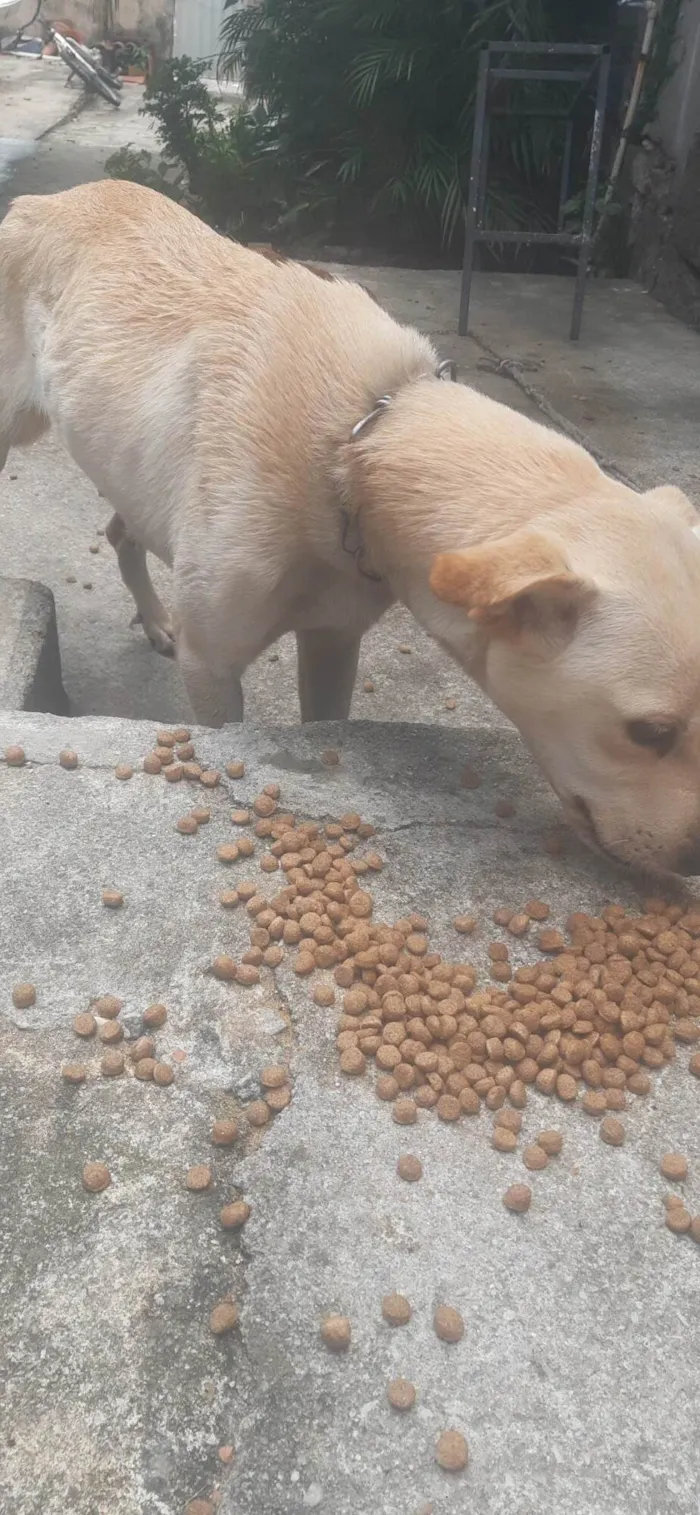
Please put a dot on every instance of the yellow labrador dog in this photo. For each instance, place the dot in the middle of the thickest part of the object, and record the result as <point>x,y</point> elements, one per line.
<point>294,455</point>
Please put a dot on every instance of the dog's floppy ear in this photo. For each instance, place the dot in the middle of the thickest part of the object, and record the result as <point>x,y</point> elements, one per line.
<point>523,581</point>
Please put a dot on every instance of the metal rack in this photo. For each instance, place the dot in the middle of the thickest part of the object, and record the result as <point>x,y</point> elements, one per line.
<point>574,63</point>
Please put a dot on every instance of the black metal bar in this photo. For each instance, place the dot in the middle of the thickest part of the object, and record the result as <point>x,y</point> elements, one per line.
<point>530,238</point>
<point>565,171</point>
<point>543,75</point>
<point>591,190</point>
<point>551,49</point>
<point>473,194</point>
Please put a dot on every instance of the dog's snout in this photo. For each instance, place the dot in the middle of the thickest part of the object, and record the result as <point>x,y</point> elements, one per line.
<point>689,860</point>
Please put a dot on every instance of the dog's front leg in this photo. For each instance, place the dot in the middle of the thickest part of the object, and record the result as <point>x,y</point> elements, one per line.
<point>216,695</point>
<point>327,668</point>
<point>150,610</point>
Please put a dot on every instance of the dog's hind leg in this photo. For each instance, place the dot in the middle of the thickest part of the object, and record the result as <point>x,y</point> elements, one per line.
<point>327,668</point>
<point>150,610</point>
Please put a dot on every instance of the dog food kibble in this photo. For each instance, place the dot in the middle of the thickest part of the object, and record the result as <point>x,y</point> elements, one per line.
<point>144,1046</point>
<point>152,763</point>
<point>594,1102</point>
<point>566,1087</point>
<point>67,758</point>
<point>112,1064</point>
<point>23,996</point>
<point>396,1309</point>
<point>200,1507</point>
<point>228,852</point>
<point>145,1069</point>
<point>258,1113</point>
<point>155,1016</point>
<point>448,1324</point>
<point>405,1112</point>
<point>452,1452</point>
<point>224,968</point>
<point>201,814</point>
<point>401,1394</point>
<point>181,734</point>
<point>210,778</point>
<point>110,1033</point>
<point>15,757</point>
<point>535,1158</point>
<point>224,1133</point>
<point>409,1168</point>
<point>235,1215</point>
<point>187,825</point>
<point>84,1024</point>
<point>503,1140</point>
<point>235,770</point>
<point>551,1142</point>
<point>368,686</point>
<point>612,1131</point>
<point>324,995</point>
<point>224,1317</point>
<point>112,898</point>
<point>274,1075</point>
<point>448,1107</point>
<point>465,924</point>
<point>240,817</point>
<point>198,1178</point>
<point>550,941</point>
<point>173,773</point>
<point>96,1177</point>
<point>74,1073</point>
<point>674,1166</point>
<point>518,1198</point>
<point>353,1061</point>
<point>123,771</point>
<point>163,1075</point>
<point>678,1219</point>
<point>335,1331</point>
<point>107,1006</point>
<point>330,757</point>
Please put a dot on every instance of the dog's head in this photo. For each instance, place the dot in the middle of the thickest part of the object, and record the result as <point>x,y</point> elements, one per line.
<point>588,639</point>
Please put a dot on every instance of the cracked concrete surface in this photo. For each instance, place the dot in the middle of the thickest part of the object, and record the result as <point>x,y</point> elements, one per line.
<point>577,1381</point>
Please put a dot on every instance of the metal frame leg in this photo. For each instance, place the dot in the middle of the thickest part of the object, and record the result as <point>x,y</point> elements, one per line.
<point>475,180</point>
<point>591,189</point>
<point>565,172</point>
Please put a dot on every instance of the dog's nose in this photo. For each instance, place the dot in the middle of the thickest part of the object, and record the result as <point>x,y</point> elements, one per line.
<point>689,860</point>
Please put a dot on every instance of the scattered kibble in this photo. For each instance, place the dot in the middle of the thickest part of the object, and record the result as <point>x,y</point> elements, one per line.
<point>67,758</point>
<point>144,1046</point>
<point>124,771</point>
<point>452,1452</point>
<point>112,898</point>
<point>154,1017</point>
<point>224,1133</point>
<point>96,1177</point>
<point>224,1317</point>
<point>15,757</point>
<point>330,757</point>
<point>678,1219</point>
<point>23,996</point>
<point>518,1198</point>
<point>336,1332</point>
<point>145,1069</point>
<point>448,1324</point>
<point>84,1024</point>
<point>112,1064</point>
<point>187,825</point>
<point>108,1007</point>
<point>465,924</point>
<point>401,1394</point>
<point>396,1309</point>
<point>74,1073</point>
<point>535,1158</point>
<point>551,1142</point>
<point>235,770</point>
<point>612,1131</point>
<point>258,1113</point>
<point>368,686</point>
<point>674,1166</point>
<point>235,1215</point>
<point>198,1178</point>
<point>409,1168</point>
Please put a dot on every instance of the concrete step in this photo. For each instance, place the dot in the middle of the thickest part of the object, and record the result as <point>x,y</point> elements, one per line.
<point>30,661</point>
<point>118,1395</point>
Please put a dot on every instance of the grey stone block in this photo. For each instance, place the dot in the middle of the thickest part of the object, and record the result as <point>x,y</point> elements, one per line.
<point>30,661</point>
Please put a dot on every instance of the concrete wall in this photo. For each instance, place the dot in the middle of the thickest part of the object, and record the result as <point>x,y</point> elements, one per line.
<point>679,103</point>
<point>149,20</point>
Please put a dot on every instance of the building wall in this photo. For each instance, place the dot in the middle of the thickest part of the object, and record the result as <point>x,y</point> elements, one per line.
<point>679,102</point>
<point>149,20</point>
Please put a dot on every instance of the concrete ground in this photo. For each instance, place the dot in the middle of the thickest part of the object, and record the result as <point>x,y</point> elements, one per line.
<point>578,1379</point>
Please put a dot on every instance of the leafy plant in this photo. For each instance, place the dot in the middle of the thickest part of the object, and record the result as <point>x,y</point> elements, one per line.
<point>373,102</point>
<point>143,167</point>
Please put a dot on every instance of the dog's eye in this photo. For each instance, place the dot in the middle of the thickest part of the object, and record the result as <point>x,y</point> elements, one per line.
<point>660,736</point>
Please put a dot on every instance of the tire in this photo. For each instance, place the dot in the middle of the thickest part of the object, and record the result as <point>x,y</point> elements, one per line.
<point>76,60</point>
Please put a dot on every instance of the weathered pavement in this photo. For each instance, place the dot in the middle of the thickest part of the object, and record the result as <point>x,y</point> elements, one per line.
<point>578,1379</point>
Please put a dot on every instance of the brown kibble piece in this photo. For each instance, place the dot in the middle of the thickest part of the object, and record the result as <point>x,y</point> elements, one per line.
<point>155,1016</point>
<point>201,814</point>
<point>227,852</point>
<point>678,1219</point>
<point>503,1140</point>
<point>274,1075</point>
<point>448,1324</point>
<point>112,1064</point>
<point>224,968</point>
<point>567,1087</point>
<point>401,1394</point>
<point>324,995</point>
<point>511,1119</point>
<point>396,1309</point>
<point>405,1112</point>
<point>235,770</point>
<point>279,1099</point>
<point>96,1177</point>
<point>235,1215</point>
<point>240,817</point>
<point>330,757</point>
<point>518,1198</point>
<point>612,1131</point>
<point>264,805</point>
<point>448,1107</point>
<point>74,1073</point>
<point>595,1102</point>
<point>15,757</point>
<point>182,733</point>
<point>550,941</point>
<point>174,772</point>
<point>224,1133</point>
<point>551,1142</point>
<point>537,910</point>
<point>200,1507</point>
<point>210,778</point>
<point>229,898</point>
<point>23,996</point>
<point>123,771</point>
<point>144,1046</point>
<point>111,1033</point>
<point>198,1178</point>
<point>409,1168</point>
<point>353,1061</point>
<point>336,1332</point>
<point>535,1157</point>
<point>152,763</point>
<point>144,1069</point>
<point>163,1075</point>
<point>112,898</point>
<point>187,825</point>
<point>674,1166</point>
<point>107,1006</point>
<point>258,1113</point>
<point>368,686</point>
<point>84,1024</point>
<point>224,1317</point>
<point>452,1452</point>
<point>67,758</point>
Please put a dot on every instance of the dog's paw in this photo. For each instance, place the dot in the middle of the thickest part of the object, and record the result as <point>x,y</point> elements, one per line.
<point>162,640</point>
